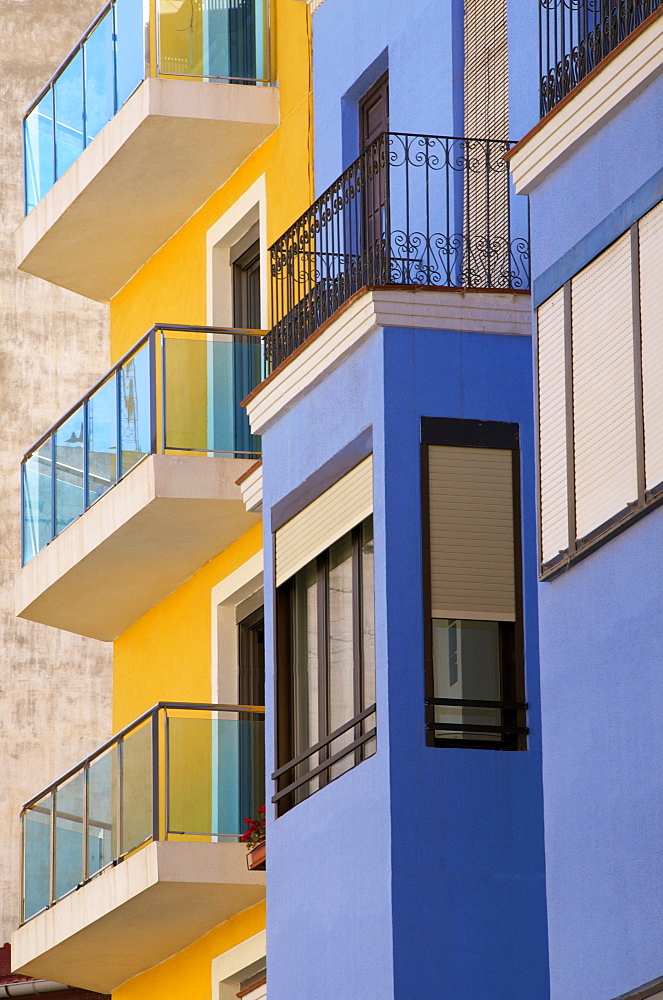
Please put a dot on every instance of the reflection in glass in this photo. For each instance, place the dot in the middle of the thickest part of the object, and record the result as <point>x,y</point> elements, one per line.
<point>340,649</point>
<point>37,854</point>
<point>466,664</point>
<point>101,833</point>
<point>220,40</point>
<point>136,805</point>
<point>68,835</point>
<point>368,612</point>
<point>99,77</point>
<point>102,439</point>
<point>39,151</point>
<point>69,141</point>
<point>37,524</point>
<point>69,491</point>
<point>135,409</point>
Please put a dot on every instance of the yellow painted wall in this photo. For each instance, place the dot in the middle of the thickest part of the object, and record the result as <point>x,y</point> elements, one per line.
<point>166,654</point>
<point>188,974</point>
<point>171,286</point>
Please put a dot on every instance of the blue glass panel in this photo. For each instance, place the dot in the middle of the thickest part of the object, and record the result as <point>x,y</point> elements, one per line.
<point>39,151</point>
<point>36,859</point>
<point>37,497</point>
<point>99,77</point>
<point>102,440</point>
<point>101,832</point>
<point>68,835</point>
<point>135,409</point>
<point>69,142</point>
<point>69,492</point>
<point>130,59</point>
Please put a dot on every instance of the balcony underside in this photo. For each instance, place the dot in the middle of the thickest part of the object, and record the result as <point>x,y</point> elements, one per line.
<point>137,914</point>
<point>171,146</point>
<point>135,545</point>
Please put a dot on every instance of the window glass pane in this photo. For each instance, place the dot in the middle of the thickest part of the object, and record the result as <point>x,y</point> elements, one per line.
<point>135,409</point>
<point>69,114</point>
<point>102,438</point>
<point>69,835</point>
<point>39,151</point>
<point>368,612</point>
<point>305,729</point>
<point>37,501</point>
<point>37,865</point>
<point>129,47</point>
<point>69,494</point>
<point>341,651</point>
<point>466,665</point>
<point>99,77</point>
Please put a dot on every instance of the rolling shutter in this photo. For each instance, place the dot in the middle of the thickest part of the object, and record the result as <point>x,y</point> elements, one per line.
<point>328,518</point>
<point>552,428</point>
<point>603,388</point>
<point>651,319</point>
<point>472,558</point>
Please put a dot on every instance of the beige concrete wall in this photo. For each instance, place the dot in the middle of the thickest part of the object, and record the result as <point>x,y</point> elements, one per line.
<point>55,688</point>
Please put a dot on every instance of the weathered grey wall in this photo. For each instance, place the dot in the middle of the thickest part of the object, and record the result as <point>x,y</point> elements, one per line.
<point>55,688</point>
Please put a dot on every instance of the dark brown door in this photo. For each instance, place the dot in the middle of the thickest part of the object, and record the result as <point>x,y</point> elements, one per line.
<point>373,121</point>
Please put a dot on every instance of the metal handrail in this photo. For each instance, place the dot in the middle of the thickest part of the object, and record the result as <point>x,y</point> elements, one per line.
<point>113,370</point>
<point>121,733</point>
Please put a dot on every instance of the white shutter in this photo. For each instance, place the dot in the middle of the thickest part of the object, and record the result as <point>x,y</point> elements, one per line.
<point>603,387</point>
<point>335,512</point>
<point>470,494</point>
<point>552,427</point>
<point>651,315</point>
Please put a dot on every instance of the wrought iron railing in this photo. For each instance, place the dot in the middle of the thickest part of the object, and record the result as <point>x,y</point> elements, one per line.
<point>575,35</point>
<point>178,390</point>
<point>476,722</point>
<point>179,772</point>
<point>347,746</point>
<point>224,42</point>
<point>411,210</point>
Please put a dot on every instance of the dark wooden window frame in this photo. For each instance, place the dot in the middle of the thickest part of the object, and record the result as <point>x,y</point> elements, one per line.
<point>453,432</point>
<point>284,686</point>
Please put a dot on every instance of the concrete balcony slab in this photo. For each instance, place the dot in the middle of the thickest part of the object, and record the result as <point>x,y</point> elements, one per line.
<point>141,540</point>
<point>170,147</point>
<point>136,914</point>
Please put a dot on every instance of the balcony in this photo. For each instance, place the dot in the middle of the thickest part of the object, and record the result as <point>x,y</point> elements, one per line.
<point>575,37</point>
<point>133,854</point>
<point>412,211</point>
<point>109,173</point>
<point>134,488</point>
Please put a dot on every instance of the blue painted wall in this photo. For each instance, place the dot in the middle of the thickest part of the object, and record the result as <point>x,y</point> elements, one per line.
<point>600,633</point>
<point>420,872</point>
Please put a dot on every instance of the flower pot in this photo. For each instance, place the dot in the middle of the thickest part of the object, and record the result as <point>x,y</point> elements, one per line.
<point>256,857</point>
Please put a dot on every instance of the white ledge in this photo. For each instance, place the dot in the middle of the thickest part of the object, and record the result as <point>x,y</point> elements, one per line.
<point>590,106</point>
<point>462,310</point>
<point>166,151</point>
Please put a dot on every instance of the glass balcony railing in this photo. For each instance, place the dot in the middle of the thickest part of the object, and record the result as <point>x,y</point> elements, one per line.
<point>179,772</point>
<point>177,391</point>
<point>128,41</point>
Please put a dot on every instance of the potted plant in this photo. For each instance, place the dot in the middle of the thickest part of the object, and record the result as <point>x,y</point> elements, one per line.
<point>254,838</point>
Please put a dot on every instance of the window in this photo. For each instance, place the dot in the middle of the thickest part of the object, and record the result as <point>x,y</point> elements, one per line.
<point>246,286</point>
<point>473,619</point>
<point>325,639</point>
<point>600,413</point>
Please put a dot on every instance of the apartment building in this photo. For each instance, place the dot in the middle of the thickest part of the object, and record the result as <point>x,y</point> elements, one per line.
<point>593,170</point>
<point>166,153</point>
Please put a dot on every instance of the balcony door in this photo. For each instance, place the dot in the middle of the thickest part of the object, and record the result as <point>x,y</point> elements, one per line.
<point>373,121</point>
